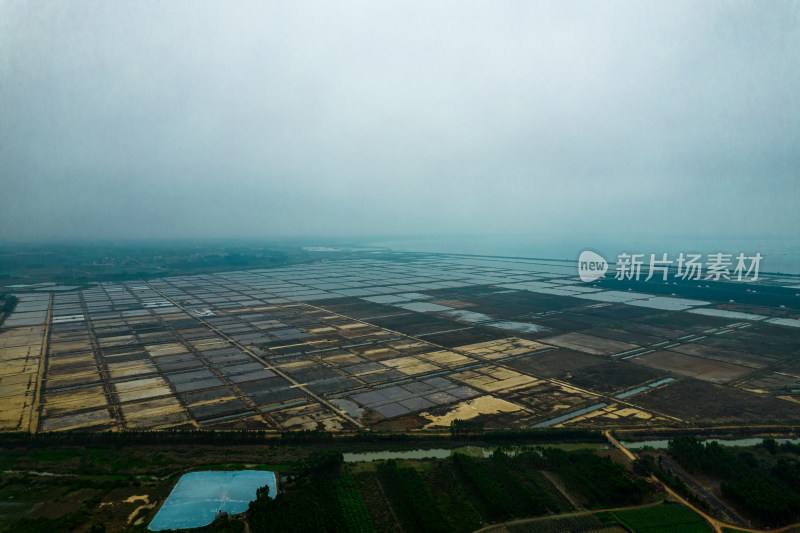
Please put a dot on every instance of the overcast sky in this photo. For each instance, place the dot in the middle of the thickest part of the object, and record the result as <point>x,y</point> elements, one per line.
<point>265,119</point>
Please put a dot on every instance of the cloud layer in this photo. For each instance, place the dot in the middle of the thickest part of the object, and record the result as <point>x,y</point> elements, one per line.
<point>251,119</point>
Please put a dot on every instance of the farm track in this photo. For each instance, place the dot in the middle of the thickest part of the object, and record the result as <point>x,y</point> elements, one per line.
<point>389,505</point>
<point>565,515</point>
<point>716,525</point>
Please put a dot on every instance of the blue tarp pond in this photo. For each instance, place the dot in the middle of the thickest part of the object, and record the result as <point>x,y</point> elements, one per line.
<point>199,496</point>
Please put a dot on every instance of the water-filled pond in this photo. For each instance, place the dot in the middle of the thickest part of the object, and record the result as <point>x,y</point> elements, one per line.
<point>473,451</point>
<point>199,496</point>
<point>662,444</point>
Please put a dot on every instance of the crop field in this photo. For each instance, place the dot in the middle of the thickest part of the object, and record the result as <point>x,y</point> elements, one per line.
<point>697,401</point>
<point>387,341</point>
<point>613,377</point>
<point>60,482</point>
<point>785,382</point>
<point>616,415</point>
<point>768,340</point>
<point>456,494</point>
<point>664,518</point>
<point>696,367</point>
<point>725,355</point>
<point>559,524</point>
<point>590,344</point>
<point>557,363</point>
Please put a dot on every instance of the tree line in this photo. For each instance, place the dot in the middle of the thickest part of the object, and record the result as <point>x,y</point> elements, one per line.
<point>303,437</point>
<point>767,490</point>
<point>7,304</point>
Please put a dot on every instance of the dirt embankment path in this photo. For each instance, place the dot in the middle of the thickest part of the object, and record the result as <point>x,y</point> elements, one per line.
<point>559,484</point>
<point>716,525</point>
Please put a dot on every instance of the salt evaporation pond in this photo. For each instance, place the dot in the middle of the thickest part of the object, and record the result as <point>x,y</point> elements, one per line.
<point>199,496</point>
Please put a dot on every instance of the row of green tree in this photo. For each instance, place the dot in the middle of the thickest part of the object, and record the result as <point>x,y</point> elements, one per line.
<point>483,490</point>
<point>766,490</point>
<point>599,480</point>
<point>304,437</point>
<point>411,499</point>
<point>502,489</point>
<point>774,447</point>
<point>319,499</point>
<point>646,465</point>
<point>7,303</point>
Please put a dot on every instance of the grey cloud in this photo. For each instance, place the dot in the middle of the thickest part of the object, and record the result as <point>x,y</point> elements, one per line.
<point>138,119</point>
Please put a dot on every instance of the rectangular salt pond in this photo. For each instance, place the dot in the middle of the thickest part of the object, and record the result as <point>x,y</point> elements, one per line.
<point>643,388</point>
<point>570,416</point>
<point>199,496</point>
<point>728,314</point>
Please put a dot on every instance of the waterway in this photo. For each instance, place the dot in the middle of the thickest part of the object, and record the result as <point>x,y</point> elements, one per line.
<point>473,451</point>
<point>662,444</point>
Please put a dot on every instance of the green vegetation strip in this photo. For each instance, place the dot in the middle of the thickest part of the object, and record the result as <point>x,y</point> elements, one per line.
<point>319,492</point>
<point>411,499</point>
<point>320,500</point>
<point>304,437</point>
<point>663,518</point>
<point>766,487</point>
<point>455,494</point>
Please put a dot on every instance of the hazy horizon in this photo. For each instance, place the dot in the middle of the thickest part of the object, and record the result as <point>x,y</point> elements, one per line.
<point>621,121</point>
